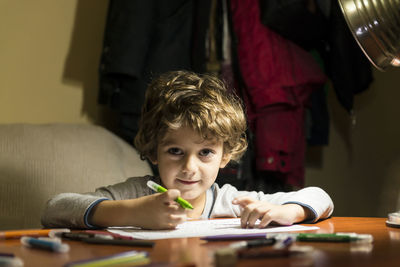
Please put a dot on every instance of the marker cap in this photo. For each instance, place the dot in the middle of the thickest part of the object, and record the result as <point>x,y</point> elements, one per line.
<point>393,219</point>
<point>55,246</point>
<point>10,261</point>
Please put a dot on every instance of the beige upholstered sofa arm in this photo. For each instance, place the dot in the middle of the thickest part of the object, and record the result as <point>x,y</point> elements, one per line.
<point>39,161</point>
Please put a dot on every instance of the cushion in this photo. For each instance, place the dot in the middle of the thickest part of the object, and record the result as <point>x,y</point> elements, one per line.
<point>39,161</point>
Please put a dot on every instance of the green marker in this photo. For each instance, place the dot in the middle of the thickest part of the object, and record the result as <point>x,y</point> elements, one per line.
<point>335,237</point>
<point>158,188</point>
<point>325,237</point>
<point>131,258</point>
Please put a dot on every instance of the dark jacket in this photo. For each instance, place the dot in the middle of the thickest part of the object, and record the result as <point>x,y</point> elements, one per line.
<point>142,39</point>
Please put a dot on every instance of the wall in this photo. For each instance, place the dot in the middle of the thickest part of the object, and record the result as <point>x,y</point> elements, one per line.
<point>360,168</point>
<point>49,54</point>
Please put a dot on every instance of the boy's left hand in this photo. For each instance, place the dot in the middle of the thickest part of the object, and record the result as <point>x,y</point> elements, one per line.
<point>281,214</point>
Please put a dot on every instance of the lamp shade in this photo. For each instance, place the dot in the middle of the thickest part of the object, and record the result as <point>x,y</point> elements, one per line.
<point>375,24</point>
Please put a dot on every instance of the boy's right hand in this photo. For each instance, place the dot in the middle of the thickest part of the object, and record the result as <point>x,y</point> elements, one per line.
<point>157,211</point>
<point>161,211</point>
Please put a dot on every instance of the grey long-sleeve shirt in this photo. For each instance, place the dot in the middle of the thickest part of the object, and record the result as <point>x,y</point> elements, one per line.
<point>72,209</point>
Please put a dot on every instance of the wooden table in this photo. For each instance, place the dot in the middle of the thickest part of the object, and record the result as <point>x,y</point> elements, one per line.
<point>384,251</point>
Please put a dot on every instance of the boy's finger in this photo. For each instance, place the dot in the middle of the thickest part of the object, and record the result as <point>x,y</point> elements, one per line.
<point>169,198</point>
<point>178,218</point>
<point>173,220</point>
<point>171,195</point>
<point>251,221</point>
<point>243,201</point>
<point>254,215</point>
<point>243,220</point>
<point>244,217</point>
<point>265,221</point>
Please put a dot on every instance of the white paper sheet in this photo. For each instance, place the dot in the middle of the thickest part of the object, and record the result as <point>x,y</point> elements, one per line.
<point>203,228</point>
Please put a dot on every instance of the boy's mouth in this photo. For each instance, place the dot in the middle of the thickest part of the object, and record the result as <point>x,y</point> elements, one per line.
<point>187,182</point>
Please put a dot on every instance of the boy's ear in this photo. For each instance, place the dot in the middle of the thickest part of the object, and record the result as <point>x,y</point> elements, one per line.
<point>153,160</point>
<point>225,160</point>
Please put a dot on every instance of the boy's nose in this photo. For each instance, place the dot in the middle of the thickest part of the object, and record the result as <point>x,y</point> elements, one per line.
<point>189,164</point>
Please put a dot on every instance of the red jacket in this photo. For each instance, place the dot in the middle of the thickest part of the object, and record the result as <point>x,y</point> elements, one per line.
<point>279,78</point>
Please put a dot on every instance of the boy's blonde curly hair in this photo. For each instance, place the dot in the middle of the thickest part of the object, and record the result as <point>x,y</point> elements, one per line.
<point>186,99</point>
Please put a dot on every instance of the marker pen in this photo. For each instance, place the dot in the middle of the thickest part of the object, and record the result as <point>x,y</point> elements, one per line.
<point>338,237</point>
<point>55,246</point>
<point>253,243</point>
<point>29,232</point>
<point>98,233</point>
<point>334,237</point>
<point>128,258</point>
<point>120,242</point>
<point>81,235</point>
<point>284,241</point>
<point>270,253</point>
<point>158,188</point>
<point>10,260</point>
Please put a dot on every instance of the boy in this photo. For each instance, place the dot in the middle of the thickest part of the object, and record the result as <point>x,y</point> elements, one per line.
<point>190,127</point>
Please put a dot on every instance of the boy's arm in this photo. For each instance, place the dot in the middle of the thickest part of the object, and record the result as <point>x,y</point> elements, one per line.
<point>72,209</point>
<point>69,210</point>
<point>314,200</point>
<point>308,204</point>
<point>77,210</point>
<point>157,211</point>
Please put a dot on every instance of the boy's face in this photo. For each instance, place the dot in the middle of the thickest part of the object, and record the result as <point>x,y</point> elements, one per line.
<point>188,163</point>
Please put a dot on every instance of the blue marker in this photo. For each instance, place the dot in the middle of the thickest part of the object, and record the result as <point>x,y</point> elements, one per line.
<point>55,246</point>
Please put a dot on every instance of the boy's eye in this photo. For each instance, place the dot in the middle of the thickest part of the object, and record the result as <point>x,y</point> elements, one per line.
<point>175,151</point>
<point>205,152</point>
